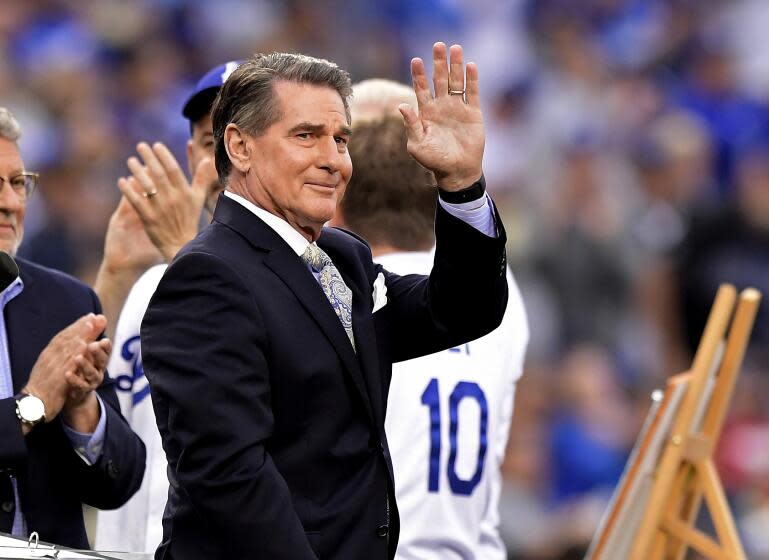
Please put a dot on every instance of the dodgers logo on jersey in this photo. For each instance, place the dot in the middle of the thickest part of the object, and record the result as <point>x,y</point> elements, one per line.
<point>135,382</point>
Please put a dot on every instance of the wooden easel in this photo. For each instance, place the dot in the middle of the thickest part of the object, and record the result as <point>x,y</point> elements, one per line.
<point>653,513</point>
<point>686,472</point>
<point>623,514</point>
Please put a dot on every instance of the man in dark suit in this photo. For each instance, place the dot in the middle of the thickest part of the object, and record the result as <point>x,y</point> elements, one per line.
<point>63,441</point>
<point>269,355</point>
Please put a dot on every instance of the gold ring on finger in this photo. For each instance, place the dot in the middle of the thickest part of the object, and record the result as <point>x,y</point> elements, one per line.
<point>150,194</point>
<point>456,92</point>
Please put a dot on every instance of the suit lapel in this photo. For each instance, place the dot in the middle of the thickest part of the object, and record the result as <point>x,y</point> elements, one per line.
<point>362,322</point>
<point>300,281</point>
<point>363,325</point>
<point>282,260</point>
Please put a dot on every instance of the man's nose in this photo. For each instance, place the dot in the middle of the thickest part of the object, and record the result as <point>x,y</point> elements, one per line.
<point>9,200</point>
<point>328,154</point>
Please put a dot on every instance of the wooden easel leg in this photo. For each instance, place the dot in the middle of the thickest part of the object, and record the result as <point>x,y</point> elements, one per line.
<point>715,497</point>
<point>689,512</point>
<point>680,504</point>
<point>658,548</point>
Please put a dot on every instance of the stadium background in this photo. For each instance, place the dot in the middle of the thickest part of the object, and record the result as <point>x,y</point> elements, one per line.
<point>627,146</point>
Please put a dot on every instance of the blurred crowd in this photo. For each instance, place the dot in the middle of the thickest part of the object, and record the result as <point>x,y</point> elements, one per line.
<point>627,147</point>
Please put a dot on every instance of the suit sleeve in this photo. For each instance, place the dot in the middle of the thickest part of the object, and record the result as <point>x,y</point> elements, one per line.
<point>463,299</point>
<point>118,473</point>
<point>205,355</point>
<point>13,451</point>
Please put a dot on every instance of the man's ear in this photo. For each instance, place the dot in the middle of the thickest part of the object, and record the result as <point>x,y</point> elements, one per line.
<point>238,147</point>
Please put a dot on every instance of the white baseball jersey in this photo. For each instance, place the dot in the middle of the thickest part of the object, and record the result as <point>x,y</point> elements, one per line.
<point>447,424</point>
<point>137,525</point>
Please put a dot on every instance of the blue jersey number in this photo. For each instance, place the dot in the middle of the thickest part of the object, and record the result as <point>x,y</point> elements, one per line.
<point>431,399</point>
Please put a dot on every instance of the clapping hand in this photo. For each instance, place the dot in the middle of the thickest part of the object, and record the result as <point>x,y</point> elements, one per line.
<point>74,360</point>
<point>127,246</point>
<point>88,373</point>
<point>447,135</point>
<point>81,409</point>
<point>168,206</point>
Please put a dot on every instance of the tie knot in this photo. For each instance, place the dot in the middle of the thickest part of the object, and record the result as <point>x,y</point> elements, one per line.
<point>316,257</point>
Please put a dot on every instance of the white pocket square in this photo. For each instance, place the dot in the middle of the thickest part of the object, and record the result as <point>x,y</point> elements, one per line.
<point>379,293</point>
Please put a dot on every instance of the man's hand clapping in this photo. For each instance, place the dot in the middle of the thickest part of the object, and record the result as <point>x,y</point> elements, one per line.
<point>69,369</point>
<point>168,206</point>
<point>158,214</point>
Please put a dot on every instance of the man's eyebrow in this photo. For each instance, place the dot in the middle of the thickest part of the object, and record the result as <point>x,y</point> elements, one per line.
<point>306,127</point>
<point>316,128</point>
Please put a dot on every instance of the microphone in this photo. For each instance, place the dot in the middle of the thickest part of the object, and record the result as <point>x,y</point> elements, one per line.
<point>9,270</point>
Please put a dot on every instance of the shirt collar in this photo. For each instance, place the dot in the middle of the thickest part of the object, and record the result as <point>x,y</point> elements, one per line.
<point>11,291</point>
<point>295,240</point>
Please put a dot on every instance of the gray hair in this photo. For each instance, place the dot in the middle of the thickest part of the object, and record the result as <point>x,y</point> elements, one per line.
<point>9,126</point>
<point>248,99</point>
<point>376,98</point>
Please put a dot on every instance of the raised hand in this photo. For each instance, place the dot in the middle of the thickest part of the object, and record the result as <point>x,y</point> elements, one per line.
<point>168,206</point>
<point>447,135</point>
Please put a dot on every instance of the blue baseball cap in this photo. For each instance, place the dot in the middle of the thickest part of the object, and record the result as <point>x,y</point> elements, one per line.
<point>201,98</point>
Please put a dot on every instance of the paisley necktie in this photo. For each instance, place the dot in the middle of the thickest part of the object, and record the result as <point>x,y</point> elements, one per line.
<point>332,284</point>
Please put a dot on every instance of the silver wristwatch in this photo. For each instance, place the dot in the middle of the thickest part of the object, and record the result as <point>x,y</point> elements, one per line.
<point>30,409</point>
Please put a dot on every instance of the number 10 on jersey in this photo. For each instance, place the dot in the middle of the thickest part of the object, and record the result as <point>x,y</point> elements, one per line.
<point>431,399</point>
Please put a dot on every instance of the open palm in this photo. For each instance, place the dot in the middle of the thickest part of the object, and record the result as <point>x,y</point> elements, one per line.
<point>447,135</point>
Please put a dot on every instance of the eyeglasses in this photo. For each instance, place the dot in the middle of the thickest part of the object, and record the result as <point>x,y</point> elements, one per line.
<point>23,184</point>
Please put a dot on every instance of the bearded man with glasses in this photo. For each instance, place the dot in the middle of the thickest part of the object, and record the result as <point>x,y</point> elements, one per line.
<point>63,441</point>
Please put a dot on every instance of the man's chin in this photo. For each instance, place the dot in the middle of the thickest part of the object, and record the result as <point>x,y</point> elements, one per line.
<point>8,246</point>
<point>312,225</point>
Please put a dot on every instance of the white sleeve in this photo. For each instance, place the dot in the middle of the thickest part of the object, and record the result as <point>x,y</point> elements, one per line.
<point>136,526</point>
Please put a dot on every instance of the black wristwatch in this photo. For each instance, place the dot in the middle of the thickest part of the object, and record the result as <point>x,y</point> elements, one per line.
<point>30,409</point>
<point>468,194</point>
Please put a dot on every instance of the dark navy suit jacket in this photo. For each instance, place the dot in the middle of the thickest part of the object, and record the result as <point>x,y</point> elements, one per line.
<point>273,426</point>
<point>53,480</point>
